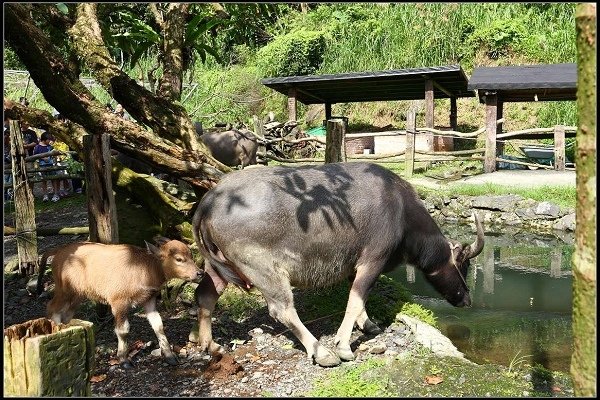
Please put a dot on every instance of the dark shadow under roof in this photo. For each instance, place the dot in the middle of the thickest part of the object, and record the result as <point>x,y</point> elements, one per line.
<point>549,82</point>
<point>399,84</point>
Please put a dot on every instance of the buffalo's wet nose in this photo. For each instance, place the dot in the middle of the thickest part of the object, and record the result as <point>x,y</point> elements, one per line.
<point>466,301</point>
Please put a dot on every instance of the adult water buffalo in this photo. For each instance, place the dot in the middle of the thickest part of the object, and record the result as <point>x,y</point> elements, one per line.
<point>312,226</point>
<point>234,147</point>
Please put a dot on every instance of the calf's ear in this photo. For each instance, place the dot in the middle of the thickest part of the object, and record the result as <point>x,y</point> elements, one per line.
<point>152,249</point>
<point>160,240</point>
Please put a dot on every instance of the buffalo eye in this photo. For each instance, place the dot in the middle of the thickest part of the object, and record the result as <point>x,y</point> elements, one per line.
<point>179,259</point>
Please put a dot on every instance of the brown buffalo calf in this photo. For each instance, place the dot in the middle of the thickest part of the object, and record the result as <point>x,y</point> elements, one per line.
<point>121,276</point>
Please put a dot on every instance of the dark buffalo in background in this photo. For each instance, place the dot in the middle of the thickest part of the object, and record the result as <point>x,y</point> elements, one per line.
<point>312,226</point>
<point>234,147</point>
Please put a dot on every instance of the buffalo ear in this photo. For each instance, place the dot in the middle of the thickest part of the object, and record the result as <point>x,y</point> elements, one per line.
<point>152,249</point>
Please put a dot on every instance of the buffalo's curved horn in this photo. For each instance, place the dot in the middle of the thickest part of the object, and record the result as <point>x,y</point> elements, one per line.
<point>476,247</point>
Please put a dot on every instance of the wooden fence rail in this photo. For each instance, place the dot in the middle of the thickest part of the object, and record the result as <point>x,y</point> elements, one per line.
<point>558,132</point>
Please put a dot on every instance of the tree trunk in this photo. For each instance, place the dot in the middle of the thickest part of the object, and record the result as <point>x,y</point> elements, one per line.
<point>583,363</point>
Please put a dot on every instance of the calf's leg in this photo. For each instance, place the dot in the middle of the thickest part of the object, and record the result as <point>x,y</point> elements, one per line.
<point>119,310</point>
<point>157,325</point>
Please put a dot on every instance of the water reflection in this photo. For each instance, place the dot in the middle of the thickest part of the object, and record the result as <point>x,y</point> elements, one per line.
<point>521,287</point>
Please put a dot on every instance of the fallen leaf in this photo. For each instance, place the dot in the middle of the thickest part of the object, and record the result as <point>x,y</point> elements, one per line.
<point>137,345</point>
<point>98,378</point>
<point>556,389</point>
<point>113,361</point>
<point>433,379</point>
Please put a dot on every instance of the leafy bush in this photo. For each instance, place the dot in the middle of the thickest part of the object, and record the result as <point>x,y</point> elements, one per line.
<point>499,38</point>
<point>297,53</point>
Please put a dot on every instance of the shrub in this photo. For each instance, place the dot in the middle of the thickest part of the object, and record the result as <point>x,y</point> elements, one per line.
<point>498,38</point>
<point>296,53</point>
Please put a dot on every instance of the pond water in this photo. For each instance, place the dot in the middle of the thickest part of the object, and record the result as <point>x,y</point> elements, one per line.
<point>521,288</point>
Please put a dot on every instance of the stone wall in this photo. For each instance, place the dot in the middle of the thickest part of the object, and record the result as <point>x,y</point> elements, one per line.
<point>502,210</point>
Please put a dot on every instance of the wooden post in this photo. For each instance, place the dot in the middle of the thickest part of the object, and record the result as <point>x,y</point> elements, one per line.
<point>411,129</point>
<point>327,111</point>
<point>429,123</point>
<point>453,114</point>
<point>499,127</point>
<point>335,149</point>
<point>24,205</point>
<point>292,115</point>
<point>259,129</point>
<point>559,147</point>
<point>102,212</point>
<point>491,116</point>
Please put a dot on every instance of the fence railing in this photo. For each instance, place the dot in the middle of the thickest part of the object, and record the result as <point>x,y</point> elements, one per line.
<point>558,132</point>
<point>35,173</point>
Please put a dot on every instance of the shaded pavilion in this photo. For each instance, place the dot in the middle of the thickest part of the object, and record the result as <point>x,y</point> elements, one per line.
<point>401,84</point>
<point>497,85</point>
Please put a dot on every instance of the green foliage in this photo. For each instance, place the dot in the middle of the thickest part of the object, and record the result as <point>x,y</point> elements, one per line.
<point>353,381</point>
<point>239,305</point>
<point>297,53</point>
<point>499,38</point>
<point>385,300</point>
<point>11,61</point>
<point>419,312</point>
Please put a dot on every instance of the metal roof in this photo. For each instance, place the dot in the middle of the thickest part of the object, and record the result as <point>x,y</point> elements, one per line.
<point>548,82</point>
<point>399,84</point>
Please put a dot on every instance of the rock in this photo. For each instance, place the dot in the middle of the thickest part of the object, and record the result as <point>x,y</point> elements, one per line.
<point>546,208</point>
<point>566,223</point>
<point>500,203</point>
<point>245,379</point>
<point>378,348</point>
<point>156,352</point>
<point>526,213</point>
<point>430,337</point>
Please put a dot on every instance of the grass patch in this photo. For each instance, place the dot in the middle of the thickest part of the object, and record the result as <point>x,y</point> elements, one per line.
<point>239,304</point>
<point>563,196</point>
<point>352,381</point>
<point>405,376</point>
<point>385,301</point>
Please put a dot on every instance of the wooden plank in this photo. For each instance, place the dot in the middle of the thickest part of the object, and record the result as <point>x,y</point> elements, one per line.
<point>491,116</point>
<point>335,149</point>
<point>102,212</point>
<point>410,143</point>
<point>559,148</point>
<point>24,205</point>
<point>259,129</point>
<point>292,110</point>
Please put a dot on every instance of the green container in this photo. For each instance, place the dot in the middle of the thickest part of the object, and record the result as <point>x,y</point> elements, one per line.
<point>318,131</point>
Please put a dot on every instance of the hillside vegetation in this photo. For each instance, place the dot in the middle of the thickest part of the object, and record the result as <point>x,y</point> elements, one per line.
<point>337,38</point>
<point>353,37</point>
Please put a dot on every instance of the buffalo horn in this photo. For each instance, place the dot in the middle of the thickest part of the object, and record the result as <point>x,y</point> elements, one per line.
<point>476,247</point>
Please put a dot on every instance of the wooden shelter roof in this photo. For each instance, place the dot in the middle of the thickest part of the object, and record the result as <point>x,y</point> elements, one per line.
<point>399,84</point>
<point>543,82</point>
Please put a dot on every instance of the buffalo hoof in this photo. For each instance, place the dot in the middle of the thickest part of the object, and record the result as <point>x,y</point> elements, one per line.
<point>327,359</point>
<point>345,353</point>
<point>172,360</point>
<point>370,328</point>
